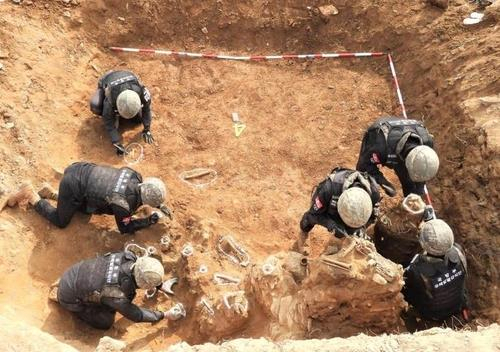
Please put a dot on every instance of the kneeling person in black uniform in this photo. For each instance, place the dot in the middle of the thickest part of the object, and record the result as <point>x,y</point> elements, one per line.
<point>95,289</point>
<point>345,202</point>
<point>120,94</point>
<point>95,189</point>
<point>403,145</point>
<point>435,280</point>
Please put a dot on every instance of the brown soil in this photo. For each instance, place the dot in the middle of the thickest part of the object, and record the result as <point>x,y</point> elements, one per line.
<point>303,118</point>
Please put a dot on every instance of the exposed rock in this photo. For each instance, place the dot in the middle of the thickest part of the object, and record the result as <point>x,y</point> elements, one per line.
<point>328,10</point>
<point>108,344</point>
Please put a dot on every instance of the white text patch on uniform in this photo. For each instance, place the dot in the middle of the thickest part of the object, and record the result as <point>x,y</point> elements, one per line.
<point>147,96</point>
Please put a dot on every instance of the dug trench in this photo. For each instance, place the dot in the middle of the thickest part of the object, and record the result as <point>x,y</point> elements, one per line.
<point>303,118</point>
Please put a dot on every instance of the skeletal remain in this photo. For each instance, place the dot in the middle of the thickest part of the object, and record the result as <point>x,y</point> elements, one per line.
<point>336,264</point>
<point>381,268</point>
<point>167,285</point>
<point>208,307</point>
<point>151,250</point>
<point>268,268</point>
<point>345,251</point>
<point>363,248</point>
<point>165,242</point>
<point>236,301</point>
<point>224,279</point>
<point>196,173</point>
<point>187,250</point>
<point>231,249</point>
<point>379,279</point>
<point>136,249</point>
<point>176,312</point>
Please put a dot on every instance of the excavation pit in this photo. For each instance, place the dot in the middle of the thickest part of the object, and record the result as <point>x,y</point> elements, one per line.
<point>303,118</point>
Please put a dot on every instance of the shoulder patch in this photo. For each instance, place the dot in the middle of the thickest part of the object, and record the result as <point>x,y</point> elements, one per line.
<point>317,204</point>
<point>146,94</point>
<point>375,159</point>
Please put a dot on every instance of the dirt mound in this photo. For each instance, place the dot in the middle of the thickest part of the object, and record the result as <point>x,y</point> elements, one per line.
<point>18,336</point>
<point>303,118</point>
<point>350,288</point>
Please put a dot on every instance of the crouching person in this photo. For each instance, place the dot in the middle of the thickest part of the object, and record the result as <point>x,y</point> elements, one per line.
<point>345,203</point>
<point>435,279</point>
<point>98,189</point>
<point>95,289</point>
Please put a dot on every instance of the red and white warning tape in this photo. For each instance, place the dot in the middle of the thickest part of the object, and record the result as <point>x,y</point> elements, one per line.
<point>270,58</point>
<point>246,58</point>
<point>396,85</point>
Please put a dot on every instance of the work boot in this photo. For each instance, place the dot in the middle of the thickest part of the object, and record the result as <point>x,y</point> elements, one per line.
<point>53,291</point>
<point>47,192</point>
<point>26,194</point>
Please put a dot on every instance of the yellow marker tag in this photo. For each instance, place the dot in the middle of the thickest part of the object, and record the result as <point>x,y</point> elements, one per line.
<point>238,128</point>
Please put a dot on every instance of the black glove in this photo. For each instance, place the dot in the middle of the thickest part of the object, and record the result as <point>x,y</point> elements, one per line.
<point>389,189</point>
<point>429,213</point>
<point>147,136</point>
<point>120,149</point>
<point>153,218</point>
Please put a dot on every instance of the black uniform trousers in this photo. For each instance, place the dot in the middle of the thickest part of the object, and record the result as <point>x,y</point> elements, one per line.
<point>98,316</point>
<point>68,202</point>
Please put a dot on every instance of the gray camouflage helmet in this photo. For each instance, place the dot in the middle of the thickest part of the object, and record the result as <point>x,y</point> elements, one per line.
<point>128,104</point>
<point>153,191</point>
<point>422,163</point>
<point>355,207</point>
<point>148,272</point>
<point>436,237</point>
